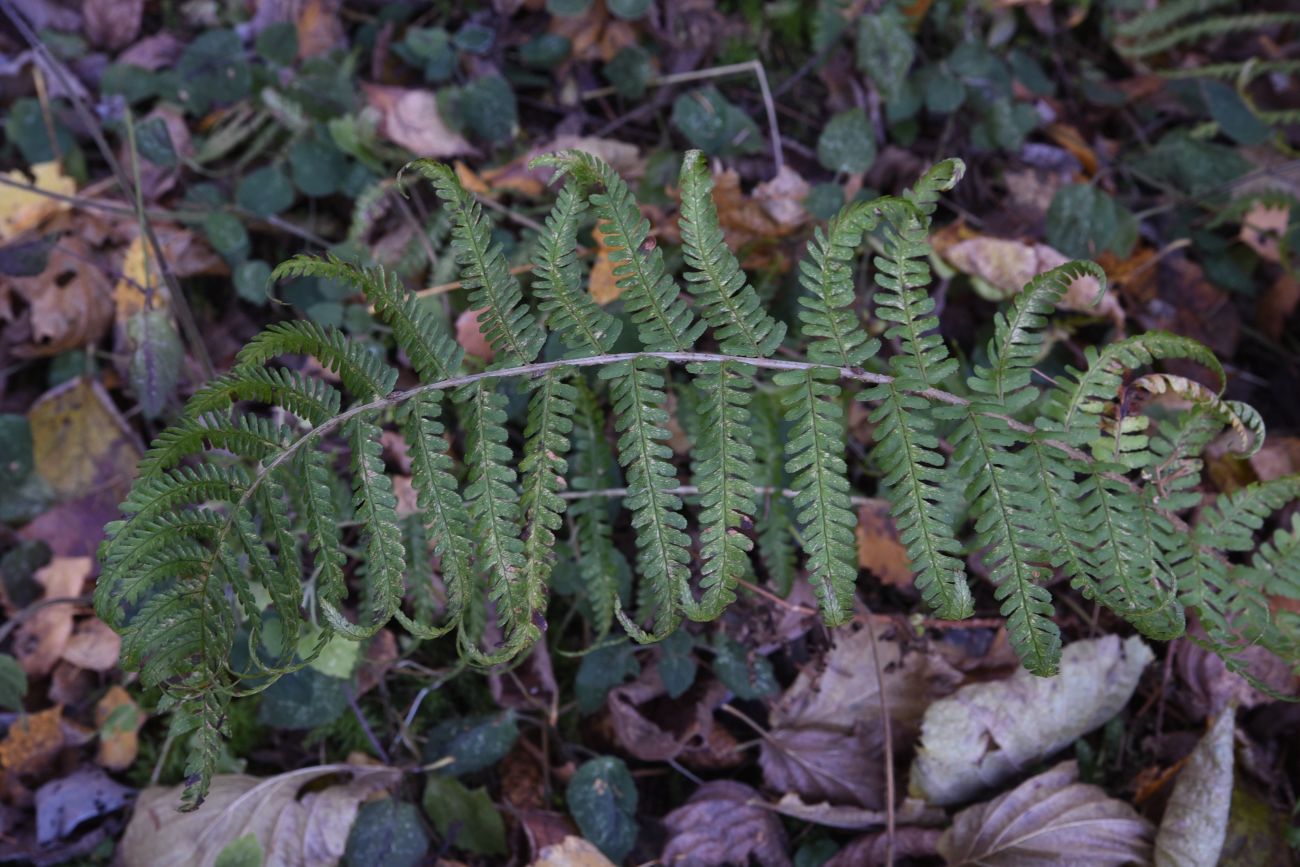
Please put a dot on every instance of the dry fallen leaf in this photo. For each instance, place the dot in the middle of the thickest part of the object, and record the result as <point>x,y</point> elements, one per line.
<point>571,852</point>
<point>1049,819</point>
<point>308,829</point>
<point>93,646</point>
<point>42,638</point>
<point>69,305</point>
<point>469,334</point>
<point>907,842</point>
<point>1277,304</point>
<point>187,256</point>
<point>410,118</point>
<point>119,719</point>
<point>602,284</point>
<point>987,732</point>
<point>112,24</point>
<point>719,825</point>
<point>32,742</point>
<point>879,549</point>
<point>1196,818</point>
<point>85,794</point>
<point>21,210</point>
<point>80,441</point>
<point>1262,229</point>
<point>820,763</point>
<point>320,29</point>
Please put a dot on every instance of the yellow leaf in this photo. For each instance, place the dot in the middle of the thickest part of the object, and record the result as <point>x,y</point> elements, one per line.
<point>21,210</point>
<point>80,443</point>
<point>604,288</point>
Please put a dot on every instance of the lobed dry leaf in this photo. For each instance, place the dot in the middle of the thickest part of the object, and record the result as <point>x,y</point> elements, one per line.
<point>67,306</point>
<point>723,824</point>
<point>1049,819</point>
<point>292,827</point>
<point>986,733</point>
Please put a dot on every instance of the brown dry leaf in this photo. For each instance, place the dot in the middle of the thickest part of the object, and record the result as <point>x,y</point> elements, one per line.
<point>32,742</point>
<point>41,639</point>
<point>782,198</point>
<point>1276,306</point>
<point>407,496</point>
<point>112,24</point>
<point>719,825</point>
<point>120,744</point>
<point>1071,139</point>
<point>319,29</point>
<point>1049,819</point>
<point>1279,457</point>
<point>844,689</point>
<point>878,547</point>
<point>656,728</point>
<point>311,828</point>
<point>530,686</point>
<point>1187,303</point>
<point>81,444</point>
<point>93,646</point>
<point>469,335</point>
<point>410,118</point>
<point>572,851</point>
<point>873,849</point>
<point>516,176</point>
<point>1005,266</point>
<point>381,653</point>
<point>69,305</point>
<point>21,210</point>
<point>601,283</point>
<point>1211,687</point>
<point>1262,229</point>
<point>187,255</point>
<point>594,35</point>
<point>742,222</point>
<point>827,764</point>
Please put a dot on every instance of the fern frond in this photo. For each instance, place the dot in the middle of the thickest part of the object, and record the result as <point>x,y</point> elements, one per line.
<point>907,452</point>
<point>312,400</point>
<point>903,272</point>
<point>727,302</point>
<point>724,465</point>
<point>202,716</point>
<point>376,508</point>
<point>493,506</point>
<point>650,295</point>
<point>1220,25</point>
<point>815,461</point>
<point>442,508</point>
<point>637,389</point>
<point>504,317</point>
<point>321,519</point>
<point>363,373</point>
<point>247,436</point>
<point>601,566</point>
<point>1244,420</point>
<point>546,443</point>
<point>774,522</point>
<point>1167,15</point>
<point>583,326</point>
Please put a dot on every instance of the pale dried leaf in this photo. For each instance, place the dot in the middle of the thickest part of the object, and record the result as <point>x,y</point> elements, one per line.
<point>112,24</point>
<point>21,210</point>
<point>722,824</point>
<point>93,646</point>
<point>81,443</point>
<point>826,764</point>
<point>292,830</point>
<point>119,741</point>
<point>42,638</point>
<point>872,849</point>
<point>1196,818</point>
<point>469,334</point>
<point>1049,819</point>
<point>69,304</point>
<point>410,118</point>
<point>986,733</point>
<point>571,852</point>
<point>910,812</point>
<point>63,804</point>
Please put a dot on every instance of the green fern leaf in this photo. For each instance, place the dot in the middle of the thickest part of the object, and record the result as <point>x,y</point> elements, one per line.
<point>546,443</point>
<point>601,566</point>
<point>362,372</point>
<point>774,522</point>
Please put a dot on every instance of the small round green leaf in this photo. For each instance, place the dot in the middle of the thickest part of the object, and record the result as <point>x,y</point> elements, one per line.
<point>545,51</point>
<point>629,72</point>
<point>386,832</point>
<point>318,168</point>
<point>487,107</point>
<point>466,817</point>
<point>265,192</point>
<point>568,8</point>
<point>602,799</point>
<point>628,10</point>
<point>227,236</point>
<point>278,43</point>
<point>252,279</point>
<point>848,143</point>
<point>473,743</point>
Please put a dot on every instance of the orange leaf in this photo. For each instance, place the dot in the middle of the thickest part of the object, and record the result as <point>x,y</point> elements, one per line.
<point>32,741</point>
<point>119,745</point>
<point>469,335</point>
<point>879,550</point>
<point>602,283</point>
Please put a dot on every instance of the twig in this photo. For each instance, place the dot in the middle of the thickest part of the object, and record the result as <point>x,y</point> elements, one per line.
<point>380,752</point>
<point>693,491</point>
<point>754,66</point>
<point>889,742</point>
<point>17,620</point>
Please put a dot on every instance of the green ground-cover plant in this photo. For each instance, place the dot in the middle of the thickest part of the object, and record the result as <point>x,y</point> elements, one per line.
<point>234,523</point>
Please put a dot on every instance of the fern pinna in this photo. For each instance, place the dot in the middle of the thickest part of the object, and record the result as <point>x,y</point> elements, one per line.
<point>236,516</point>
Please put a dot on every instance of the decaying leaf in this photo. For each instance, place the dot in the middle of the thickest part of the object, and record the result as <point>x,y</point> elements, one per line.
<point>469,334</point>
<point>719,825</point>
<point>987,732</point>
<point>112,24</point>
<point>93,646</point>
<point>910,812</point>
<point>827,764</point>
<point>63,804</point>
<point>1049,819</point>
<point>410,118</point>
<point>655,728</point>
<point>21,210</point>
<point>601,283</point>
<point>67,306</point>
<point>1196,818</point>
<point>872,849</point>
<point>43,637</point>
<point>311,829</point>
<point>32,742</point>
<point>517,176</point>
<point>879,549</point>
<point>119,720</point>
<point>571,852</point>
<point>81,443</point>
